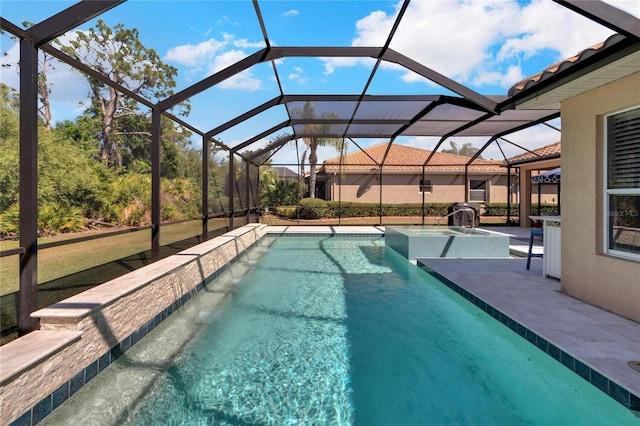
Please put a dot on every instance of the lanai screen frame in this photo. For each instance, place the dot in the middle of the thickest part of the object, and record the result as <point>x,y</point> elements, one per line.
<point>40,35</point>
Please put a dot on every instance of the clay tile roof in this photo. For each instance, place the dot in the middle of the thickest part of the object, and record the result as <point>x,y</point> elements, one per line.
<point>564,64</point>
<point>548,151</point>
<point>402,157</point>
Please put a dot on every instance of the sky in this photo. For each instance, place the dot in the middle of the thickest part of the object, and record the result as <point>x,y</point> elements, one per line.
<point>487,45</point>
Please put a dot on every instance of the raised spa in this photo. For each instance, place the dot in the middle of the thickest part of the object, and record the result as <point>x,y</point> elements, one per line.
<point>446,241</point>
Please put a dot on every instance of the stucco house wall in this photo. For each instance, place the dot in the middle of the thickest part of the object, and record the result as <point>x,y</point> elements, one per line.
<point>403,187</point>
<point>588,273</point>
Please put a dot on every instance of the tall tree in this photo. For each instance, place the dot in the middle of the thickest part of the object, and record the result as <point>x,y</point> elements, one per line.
<point>45,64</point>
<point>466,150</point>
<point>119,54</point>
<point>308,112</point>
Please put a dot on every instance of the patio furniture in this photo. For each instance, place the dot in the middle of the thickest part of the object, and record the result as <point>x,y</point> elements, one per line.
<point>535,233</point>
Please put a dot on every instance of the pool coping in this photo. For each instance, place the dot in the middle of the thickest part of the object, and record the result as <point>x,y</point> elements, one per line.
<point>56,340</point>
<point>591,361</point>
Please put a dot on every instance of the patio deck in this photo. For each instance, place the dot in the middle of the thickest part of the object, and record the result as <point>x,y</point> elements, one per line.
<point>599,339</point>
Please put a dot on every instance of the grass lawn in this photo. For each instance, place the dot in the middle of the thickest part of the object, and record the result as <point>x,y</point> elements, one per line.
<point>57,262</point>
<point>60,261</point>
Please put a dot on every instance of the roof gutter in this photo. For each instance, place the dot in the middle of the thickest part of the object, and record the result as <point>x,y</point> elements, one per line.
<point>570,71</point>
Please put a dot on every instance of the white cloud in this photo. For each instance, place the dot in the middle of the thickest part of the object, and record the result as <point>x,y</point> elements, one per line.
<point>215,55</point>
<point>477,42</point>
<point>297,75</point>
<point>630,6</point>
<point>246,44</point>
<point>291,12</point>
<point>242,81</point>
<point>495,78</point>
<point>543,24</point>
<point>192,55</point>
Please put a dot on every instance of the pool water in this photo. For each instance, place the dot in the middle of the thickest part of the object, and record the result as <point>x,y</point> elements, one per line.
<point>340,331</point>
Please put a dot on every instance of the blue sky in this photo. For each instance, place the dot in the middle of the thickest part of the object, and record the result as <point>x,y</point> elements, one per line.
<point>485,45</point>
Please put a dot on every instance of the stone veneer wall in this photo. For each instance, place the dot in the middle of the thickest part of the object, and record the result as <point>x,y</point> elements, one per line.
<point>78,331</point>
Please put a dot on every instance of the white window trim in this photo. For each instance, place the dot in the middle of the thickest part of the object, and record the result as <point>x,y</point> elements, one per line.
<point>486,190</point>
<point>606,192</point>
<point>420,186</point>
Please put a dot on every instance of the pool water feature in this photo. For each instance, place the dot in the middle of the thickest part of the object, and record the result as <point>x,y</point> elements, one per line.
<point>446,241</point>
<point>343,331</point>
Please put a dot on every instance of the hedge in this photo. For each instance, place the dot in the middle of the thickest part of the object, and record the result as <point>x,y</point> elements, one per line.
<point>315,208</point>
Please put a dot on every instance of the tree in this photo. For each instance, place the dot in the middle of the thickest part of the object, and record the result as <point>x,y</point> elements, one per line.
<point>308,112</point>
<point>45,63</point>
<point>118,54</point>
<point>466,150</point>
<point>9,148</point>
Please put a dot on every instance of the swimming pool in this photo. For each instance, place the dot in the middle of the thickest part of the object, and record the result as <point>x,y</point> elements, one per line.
<point>330,330</point>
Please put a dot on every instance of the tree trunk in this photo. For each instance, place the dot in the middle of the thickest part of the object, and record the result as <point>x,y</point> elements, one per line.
<point>110,150</point>
<point>43,93</point>
<point>313,160</point>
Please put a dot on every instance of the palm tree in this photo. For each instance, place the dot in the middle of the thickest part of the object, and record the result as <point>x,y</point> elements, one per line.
<point>308,113</point>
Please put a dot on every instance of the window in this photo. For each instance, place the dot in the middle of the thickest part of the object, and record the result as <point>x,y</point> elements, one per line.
<point>425,185</point>
<point>477,191</point>
<point>622,168</point>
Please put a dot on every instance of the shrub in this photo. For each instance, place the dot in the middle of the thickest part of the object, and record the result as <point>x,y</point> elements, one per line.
<point>314,208</point>
<point>545,209</point>
<point>288,212</point>
<point>54,218</point>
<point>500,209</point>
<point>10,221</point>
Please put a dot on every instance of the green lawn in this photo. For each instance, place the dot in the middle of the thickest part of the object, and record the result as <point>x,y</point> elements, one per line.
<point>57,262</point>
<point>68,259</point>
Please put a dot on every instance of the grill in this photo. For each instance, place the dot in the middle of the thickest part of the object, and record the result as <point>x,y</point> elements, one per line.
<point>463,214</point>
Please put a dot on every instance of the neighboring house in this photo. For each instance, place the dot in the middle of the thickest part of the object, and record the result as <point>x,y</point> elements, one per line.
<point>598,92</point>
<point>403,180</point>
<point>286,173</point>
<point>530,164</point>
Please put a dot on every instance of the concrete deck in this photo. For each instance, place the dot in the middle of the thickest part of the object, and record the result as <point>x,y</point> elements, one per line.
<point>601,340</point>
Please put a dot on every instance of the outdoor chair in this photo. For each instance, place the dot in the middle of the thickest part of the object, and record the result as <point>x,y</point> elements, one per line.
<point>535,233</point>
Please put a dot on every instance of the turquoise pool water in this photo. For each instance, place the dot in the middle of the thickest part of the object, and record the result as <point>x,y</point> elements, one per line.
<point>340,331</point>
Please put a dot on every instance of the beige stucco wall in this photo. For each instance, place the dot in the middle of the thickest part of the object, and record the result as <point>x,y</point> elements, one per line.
<point>404,187</point>
<point>587,273</point>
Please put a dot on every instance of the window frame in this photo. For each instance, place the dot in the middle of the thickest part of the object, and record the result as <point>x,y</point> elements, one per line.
<point>608,192</point>
<point>485,190</point>
<point>422,185</point>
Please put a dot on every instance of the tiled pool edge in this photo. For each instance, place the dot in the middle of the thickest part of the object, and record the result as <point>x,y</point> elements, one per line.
<point>612,389</point>
<point>39,411</point>
<point>52,401</point>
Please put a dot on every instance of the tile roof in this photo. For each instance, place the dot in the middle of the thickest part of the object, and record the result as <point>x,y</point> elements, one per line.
<point>285,172</point>
<point>552,70</point>
<point>548,151</point>
<point>402,157</point>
